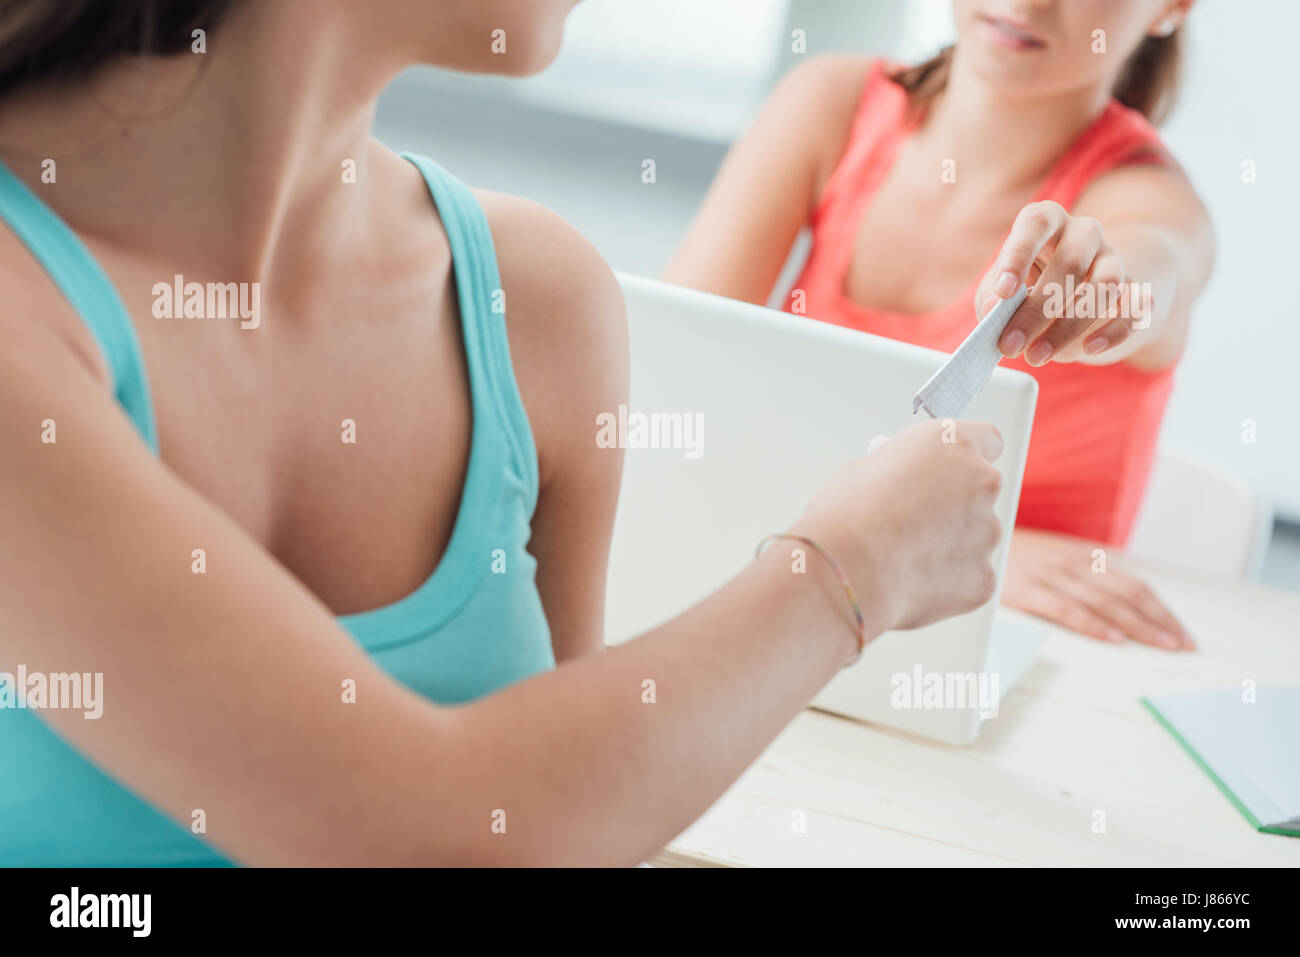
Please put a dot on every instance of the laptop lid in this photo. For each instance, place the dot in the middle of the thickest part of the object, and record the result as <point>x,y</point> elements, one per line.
<point>737,416</point>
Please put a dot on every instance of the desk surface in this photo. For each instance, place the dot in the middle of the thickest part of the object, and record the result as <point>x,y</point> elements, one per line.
<point>1070,740</point>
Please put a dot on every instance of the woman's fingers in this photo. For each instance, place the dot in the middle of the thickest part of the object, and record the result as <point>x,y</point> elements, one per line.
<point>1107,337</point>
<point>1055,577</point>
<point>1081,302</point>
<point>985,437</point>
<point>1108,275</point>
<point>1076,308</point>
<point>1117,609</point>
<point>1034,234</point>
<point>1050,319</point>
<point>1056,606</point>
<point>1131,593</point>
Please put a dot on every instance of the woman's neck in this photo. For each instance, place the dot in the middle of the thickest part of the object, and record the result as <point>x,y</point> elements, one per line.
<point>235,156</point>
<point>1004,143</point>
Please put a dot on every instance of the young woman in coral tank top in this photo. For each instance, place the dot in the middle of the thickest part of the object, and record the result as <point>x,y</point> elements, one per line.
<point>1025,152</point>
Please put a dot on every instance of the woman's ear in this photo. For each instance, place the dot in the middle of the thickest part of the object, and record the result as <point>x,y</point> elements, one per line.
<point>1170,19</point>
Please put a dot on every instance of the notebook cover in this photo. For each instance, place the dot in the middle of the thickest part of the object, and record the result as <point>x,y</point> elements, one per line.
<point>1218,782</point>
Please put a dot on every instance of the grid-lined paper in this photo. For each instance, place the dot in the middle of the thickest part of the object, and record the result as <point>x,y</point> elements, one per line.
<point>953,388</point>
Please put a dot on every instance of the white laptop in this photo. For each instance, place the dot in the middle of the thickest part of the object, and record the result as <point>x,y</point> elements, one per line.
<point>737,415</point>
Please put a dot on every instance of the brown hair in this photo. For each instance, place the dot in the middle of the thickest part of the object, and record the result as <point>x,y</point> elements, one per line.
<point>1148,83</point>
<point>70,39</point>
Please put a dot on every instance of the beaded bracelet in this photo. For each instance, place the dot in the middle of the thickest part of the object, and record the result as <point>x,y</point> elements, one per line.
<point>839,573</point>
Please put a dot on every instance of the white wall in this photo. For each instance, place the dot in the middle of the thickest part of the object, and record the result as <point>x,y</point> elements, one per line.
<point>1240,105</point>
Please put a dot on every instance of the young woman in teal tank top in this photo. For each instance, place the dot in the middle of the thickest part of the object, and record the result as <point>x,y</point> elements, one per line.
<point>322,552</point>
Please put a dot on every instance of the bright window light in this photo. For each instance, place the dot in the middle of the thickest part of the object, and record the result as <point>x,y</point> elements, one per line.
<point>927,26</point>
<point>703,36</point>
<point>690,66</point>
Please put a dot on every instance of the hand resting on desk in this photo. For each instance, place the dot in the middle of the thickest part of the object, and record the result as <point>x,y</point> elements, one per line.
<point>1062,579</point>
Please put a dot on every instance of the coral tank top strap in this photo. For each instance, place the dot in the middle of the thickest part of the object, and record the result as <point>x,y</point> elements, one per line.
<point>879,126</point>
<point>1119,136</point>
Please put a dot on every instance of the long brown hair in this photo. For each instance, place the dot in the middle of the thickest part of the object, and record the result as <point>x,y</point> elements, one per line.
<point>1148,83</point>
<point>70,39</point>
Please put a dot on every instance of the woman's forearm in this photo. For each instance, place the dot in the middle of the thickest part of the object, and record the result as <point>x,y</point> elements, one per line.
<point>238,694</point>
<point>612,756</point>
<point>596,764</point>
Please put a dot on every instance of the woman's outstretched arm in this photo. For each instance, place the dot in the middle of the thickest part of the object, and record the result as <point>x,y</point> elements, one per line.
<point>223,691</point>
<point>1114,279</point>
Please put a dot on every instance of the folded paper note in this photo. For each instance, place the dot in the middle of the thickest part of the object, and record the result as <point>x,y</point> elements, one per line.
<point>954,387</point>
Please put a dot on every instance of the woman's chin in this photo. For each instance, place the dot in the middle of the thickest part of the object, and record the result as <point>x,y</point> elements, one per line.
<point>997,66</point>
<point>517,62</point>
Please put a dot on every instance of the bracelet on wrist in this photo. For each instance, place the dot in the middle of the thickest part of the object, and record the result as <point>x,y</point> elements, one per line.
<point>859,618</point>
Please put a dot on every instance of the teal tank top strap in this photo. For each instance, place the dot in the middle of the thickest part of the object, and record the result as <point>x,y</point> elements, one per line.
<point>88,290</point>
<point>483,314</point>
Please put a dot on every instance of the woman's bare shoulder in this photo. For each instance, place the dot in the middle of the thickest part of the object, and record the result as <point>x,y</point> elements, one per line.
<point>549,268</point>
<point>817,101</point>
<point>566,319</point>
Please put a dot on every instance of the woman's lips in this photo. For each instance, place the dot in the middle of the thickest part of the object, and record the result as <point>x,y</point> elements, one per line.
<point>1011,35</point>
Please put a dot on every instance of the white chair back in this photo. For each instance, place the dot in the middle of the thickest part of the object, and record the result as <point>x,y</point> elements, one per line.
<point>1200,517</point>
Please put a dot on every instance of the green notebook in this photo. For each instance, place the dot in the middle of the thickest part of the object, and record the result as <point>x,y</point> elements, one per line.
<point>1248,742</point>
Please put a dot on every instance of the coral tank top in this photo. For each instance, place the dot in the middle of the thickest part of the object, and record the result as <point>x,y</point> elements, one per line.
<point>1095,428</point>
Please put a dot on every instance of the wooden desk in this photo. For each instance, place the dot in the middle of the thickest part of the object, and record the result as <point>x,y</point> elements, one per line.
<point>1070,739</point>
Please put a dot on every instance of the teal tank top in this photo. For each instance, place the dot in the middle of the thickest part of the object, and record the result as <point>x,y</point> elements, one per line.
<point>474,626</point>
